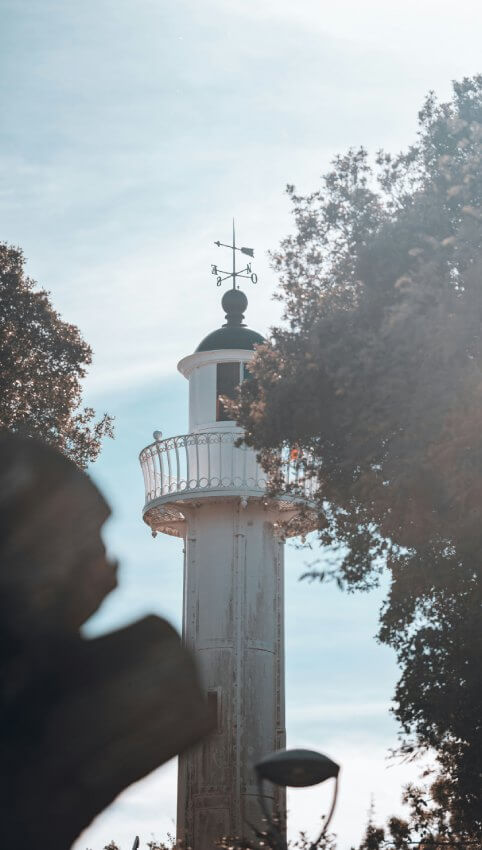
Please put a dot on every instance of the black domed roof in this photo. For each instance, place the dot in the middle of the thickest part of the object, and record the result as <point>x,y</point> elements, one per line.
<point>227,337</point>
<point>233,334</point>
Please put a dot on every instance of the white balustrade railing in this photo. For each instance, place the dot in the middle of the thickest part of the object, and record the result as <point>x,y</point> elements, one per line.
<point>208,461</point>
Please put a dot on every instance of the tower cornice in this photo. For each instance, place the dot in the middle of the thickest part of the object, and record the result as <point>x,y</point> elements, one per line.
<point>187,365</point>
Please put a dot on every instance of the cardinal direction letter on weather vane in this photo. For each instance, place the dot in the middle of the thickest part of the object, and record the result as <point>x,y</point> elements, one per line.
<point>222,274</point>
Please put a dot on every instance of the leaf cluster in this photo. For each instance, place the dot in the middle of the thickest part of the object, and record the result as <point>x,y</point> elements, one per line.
<point>44,360</point>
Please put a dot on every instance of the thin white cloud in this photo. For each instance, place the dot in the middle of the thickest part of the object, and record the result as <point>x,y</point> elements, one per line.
<point>328,710</point>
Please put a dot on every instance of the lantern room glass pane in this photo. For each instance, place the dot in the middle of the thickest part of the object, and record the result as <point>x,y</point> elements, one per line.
<point>227,382</point>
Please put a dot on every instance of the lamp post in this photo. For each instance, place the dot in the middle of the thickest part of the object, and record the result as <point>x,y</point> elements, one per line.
<point>298,769</point>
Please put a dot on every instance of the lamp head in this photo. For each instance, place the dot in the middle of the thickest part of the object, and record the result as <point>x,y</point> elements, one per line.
<point>297,768</point>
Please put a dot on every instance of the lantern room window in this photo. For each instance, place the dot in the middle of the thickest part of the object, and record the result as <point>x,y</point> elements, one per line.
<point>227,382</point>
<point>228,378</point>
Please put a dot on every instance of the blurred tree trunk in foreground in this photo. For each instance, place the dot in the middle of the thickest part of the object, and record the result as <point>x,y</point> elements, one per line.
<point>80,719</point>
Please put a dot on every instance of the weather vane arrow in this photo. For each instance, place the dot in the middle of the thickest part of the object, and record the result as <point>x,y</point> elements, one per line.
<point>246,272</point>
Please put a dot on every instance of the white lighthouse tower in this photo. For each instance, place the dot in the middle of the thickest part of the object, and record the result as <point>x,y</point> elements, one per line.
<point>205,488</point>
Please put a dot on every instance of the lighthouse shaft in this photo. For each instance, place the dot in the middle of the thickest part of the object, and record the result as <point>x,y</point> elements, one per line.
<point>233,623</point>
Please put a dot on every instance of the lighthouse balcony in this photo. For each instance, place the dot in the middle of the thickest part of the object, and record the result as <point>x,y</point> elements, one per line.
<point>183,470</point>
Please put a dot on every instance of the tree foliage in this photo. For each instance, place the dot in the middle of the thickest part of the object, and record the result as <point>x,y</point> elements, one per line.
<point>376,377</point>
<point>429,824</point>
<point>43,362</point>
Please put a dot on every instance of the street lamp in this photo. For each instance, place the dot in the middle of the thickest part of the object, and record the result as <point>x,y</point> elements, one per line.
<point>298,769</point>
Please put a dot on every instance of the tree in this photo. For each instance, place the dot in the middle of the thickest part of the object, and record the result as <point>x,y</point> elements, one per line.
<point>376,378</point>
<point>43,361</point>
<point>427,826</point>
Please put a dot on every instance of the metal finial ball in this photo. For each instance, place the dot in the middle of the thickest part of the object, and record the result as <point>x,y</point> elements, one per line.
<point>234,301</point>
<point>157,436</point>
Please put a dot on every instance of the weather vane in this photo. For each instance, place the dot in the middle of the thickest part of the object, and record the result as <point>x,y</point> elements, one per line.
<point>246,272</point>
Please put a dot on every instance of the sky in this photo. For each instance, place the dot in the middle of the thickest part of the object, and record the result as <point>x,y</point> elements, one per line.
<point>132,132</point>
